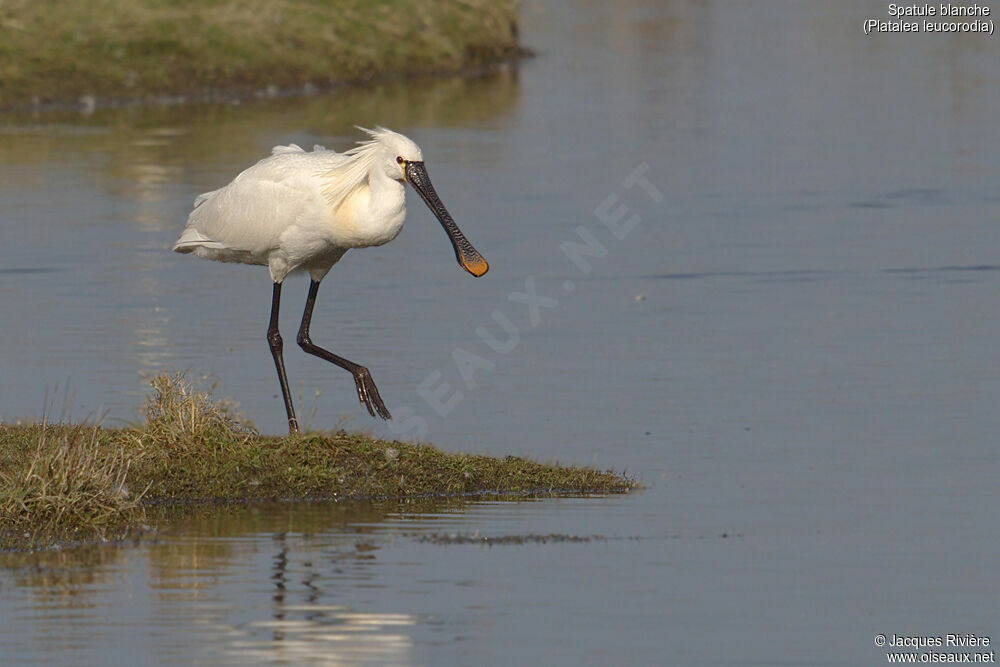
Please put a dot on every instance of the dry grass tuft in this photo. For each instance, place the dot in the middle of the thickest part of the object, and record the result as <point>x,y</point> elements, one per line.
<point>71,487</point>
<point>178,412</point>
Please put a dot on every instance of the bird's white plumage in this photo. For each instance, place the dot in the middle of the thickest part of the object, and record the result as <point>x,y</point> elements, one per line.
<point>299,209</point>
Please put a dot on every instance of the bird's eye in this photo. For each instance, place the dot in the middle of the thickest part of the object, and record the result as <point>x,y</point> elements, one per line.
<point>399,159</point>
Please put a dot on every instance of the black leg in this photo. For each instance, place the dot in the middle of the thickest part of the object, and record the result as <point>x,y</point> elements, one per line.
<point>367,391</point>
<point>274,340</point>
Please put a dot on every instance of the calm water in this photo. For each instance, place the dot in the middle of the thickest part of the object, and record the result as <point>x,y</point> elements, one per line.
<point>795,346</point>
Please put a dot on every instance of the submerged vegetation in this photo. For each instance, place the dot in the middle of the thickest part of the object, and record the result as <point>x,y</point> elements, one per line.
<point>66,51</point>
<point>83,482</point>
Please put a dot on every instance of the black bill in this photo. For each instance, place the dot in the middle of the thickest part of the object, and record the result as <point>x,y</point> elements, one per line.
<point>467,256</point>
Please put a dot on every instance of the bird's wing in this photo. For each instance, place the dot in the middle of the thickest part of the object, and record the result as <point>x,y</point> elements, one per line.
<point>250,213</point>
<point>295,148</point>
<point>290,148</point>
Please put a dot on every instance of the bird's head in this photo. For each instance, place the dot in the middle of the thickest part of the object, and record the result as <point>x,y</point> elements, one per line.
<point>397,151</point>
<point>402,160</point>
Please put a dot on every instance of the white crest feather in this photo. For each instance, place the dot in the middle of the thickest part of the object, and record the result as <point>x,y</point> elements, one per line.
<point>352,172</point>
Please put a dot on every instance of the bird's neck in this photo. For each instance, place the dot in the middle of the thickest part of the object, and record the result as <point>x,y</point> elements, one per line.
<point>373,214</point>
<point>386,193</point>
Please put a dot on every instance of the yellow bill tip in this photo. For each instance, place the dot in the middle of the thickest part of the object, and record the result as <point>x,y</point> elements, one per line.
<point>477,266</point>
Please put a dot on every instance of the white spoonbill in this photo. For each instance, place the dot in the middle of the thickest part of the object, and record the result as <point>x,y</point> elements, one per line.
<point>303,210</point>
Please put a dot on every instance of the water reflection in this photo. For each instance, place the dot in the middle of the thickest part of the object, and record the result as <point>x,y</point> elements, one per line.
<point>326,635</point>
<point>295,565</point>
<point>323,583</point>
<point>61,579</point>
<point>142,152</point>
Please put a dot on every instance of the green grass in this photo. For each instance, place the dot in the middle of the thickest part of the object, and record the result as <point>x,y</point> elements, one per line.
<point>63,483</point>
<point>62,50</point>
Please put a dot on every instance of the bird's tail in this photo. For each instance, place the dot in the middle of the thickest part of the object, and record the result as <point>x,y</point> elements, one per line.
<point>192,239</point>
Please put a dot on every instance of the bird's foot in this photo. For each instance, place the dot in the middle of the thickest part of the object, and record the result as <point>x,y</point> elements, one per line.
<point>368,394</point>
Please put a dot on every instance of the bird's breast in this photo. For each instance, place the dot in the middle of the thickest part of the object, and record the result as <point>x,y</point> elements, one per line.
<point>369,219</point>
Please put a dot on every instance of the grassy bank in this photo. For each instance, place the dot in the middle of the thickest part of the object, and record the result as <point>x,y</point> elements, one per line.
<point>63,50</point>
<point>83,482</point>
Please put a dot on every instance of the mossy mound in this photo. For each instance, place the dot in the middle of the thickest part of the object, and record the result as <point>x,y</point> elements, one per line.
<point>64,51</point>
<point>83,482</point>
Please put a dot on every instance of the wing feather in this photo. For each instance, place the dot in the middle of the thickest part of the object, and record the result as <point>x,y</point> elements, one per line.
<point>249,215</point>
